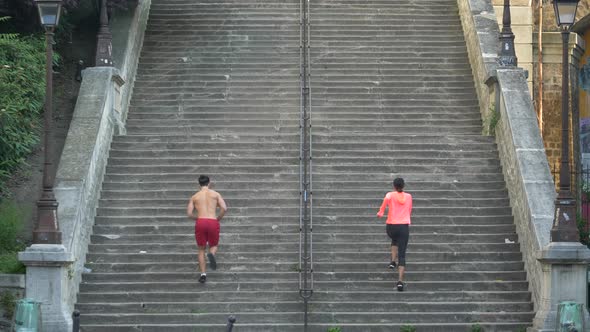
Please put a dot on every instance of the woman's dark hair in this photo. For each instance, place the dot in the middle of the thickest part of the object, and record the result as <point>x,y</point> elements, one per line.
<point>203,180</point>
<point>399,184</point>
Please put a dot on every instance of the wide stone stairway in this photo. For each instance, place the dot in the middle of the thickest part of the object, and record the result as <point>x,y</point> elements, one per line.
<point>218,93</point>
<point>393,95</point>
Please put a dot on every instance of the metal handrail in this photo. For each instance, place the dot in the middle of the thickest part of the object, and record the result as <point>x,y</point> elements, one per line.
<point>231,320</point>
<point>76,321</point>
<point>305,166</point>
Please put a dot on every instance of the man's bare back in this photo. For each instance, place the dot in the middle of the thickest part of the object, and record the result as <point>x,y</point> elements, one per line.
<point>206,202</point>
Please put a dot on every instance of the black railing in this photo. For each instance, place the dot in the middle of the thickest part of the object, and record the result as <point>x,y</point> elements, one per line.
<point>76,321</point>
<point>305,166</point>
<point>230,323</point>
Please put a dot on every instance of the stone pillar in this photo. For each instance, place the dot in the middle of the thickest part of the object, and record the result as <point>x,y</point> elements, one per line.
<point>47,273</point>
<point>565,266</point>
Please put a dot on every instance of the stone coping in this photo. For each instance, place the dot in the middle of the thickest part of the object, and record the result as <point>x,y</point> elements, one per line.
<point>16,281</point>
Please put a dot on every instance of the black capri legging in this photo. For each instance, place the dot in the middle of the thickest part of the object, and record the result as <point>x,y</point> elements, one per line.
<point>399,235</point>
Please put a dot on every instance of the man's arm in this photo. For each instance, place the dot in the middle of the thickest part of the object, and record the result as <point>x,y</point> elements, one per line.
<point>190,209</point>
<point>222,207</point>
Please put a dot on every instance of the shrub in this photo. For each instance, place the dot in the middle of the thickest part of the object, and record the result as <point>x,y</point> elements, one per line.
<point>334,329</point>
<point>8,303</point>
<point>582,229</point>
<point>22,90</point>
<point>11,223</point>
<point>407,328</point>
<point>476,328</point>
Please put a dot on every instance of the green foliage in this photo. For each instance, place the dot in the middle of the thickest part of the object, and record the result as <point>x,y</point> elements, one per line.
<point>8,303</point>
<point>584,234</point>
<point>492,120</point>
<point>476,328</point>
<point>334,329</point>
<point>407,328</point>
<point>22,90</point>
<point>10,264</point>
<point>521,329</point>
<point>12,220</point>
<point>7,36</point>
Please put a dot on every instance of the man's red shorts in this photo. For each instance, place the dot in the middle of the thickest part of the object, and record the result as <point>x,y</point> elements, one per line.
<point>207,231</point>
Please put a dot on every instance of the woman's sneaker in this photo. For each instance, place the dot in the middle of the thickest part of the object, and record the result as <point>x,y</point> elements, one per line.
<point>203,278</point>
<point>400,286</point>
<point>392,265</point>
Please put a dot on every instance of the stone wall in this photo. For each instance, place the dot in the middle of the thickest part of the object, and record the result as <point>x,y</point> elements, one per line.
<point>521,149</point>
<point>100,113</point>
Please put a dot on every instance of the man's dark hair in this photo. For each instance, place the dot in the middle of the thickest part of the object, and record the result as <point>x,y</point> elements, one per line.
<point>398,184</point>
<point>203,180</point>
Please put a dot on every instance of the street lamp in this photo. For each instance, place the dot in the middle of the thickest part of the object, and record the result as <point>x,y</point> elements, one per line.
<point>564,225</point>
<point>507,56</point>
<point>104,39</point>
<point>47,229</point>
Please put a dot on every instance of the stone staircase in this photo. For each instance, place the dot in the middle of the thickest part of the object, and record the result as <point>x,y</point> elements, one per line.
<point>393,95</point>
<point>217,93</point>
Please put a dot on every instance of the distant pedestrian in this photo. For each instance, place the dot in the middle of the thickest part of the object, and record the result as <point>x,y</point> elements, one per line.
<point>399,204</point>
<point>206,202</point>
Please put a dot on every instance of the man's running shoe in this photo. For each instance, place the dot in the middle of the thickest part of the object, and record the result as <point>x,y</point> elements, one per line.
<point>203,278</point>
<point>392,265</point>
<point>212,261</point>
<point>400,286</point>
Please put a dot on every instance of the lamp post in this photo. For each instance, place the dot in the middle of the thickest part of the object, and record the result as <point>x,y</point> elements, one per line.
<point>564,225</point>
<point>507,56</point>
<point>47,229</point>
<point>104,40</point>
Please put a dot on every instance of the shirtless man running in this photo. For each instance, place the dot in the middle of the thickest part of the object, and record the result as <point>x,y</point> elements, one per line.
<point>206,202</point>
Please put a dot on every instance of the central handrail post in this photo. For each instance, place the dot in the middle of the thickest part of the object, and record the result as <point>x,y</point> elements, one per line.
<point>305,166</point>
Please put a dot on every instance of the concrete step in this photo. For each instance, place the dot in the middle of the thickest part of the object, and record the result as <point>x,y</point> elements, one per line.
<point>292,266</point>
<point>392,306</point>
<point>277,228</point>
<point>267,219</point>
<point>296,317</point>
<point>293,245</point>
<point>381,237</point>
<point>293,169</point>
<point>293,160</point>
<point>318,327</point>
<point>320,285</point>
<point>230,194</point>
<point>335,296</point>
<point>320,257</point>
<point>365,210</point>
<point>259,201</point>
<point>275,178</point>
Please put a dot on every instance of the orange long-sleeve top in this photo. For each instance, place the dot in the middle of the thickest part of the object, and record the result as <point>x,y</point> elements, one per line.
<point>399,206</point>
